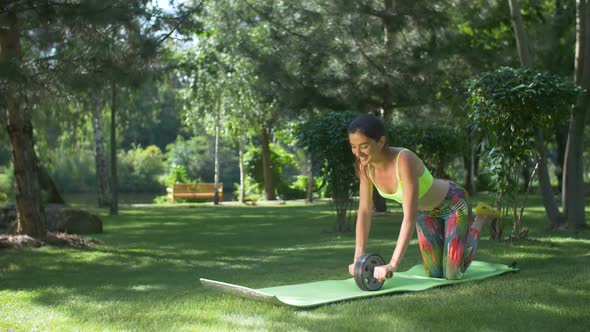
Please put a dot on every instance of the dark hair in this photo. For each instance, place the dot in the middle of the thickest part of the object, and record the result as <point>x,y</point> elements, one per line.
<point>372,127</point>
<point>368,125</point>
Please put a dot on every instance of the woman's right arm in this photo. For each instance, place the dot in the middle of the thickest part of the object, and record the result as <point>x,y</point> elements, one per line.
<point>363,220</point>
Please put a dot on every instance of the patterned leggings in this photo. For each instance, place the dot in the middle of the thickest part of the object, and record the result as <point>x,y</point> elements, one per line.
<point>447,240</point>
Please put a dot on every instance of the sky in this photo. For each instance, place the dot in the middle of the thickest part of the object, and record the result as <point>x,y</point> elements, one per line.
<point>164,4</point>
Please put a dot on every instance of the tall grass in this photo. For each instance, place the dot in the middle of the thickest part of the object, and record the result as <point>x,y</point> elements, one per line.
<point>144,276</point>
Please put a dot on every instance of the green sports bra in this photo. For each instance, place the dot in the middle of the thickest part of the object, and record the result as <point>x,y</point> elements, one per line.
<point>424,183</point>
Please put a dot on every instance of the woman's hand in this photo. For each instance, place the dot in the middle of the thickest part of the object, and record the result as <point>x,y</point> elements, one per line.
<point>383,272</point>
<point>351,269</point>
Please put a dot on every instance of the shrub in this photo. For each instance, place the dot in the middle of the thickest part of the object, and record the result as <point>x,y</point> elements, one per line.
<point>192,154</point>
<point>436,145</point>
<point>300,186</point>
<point>510,111</point>
<point>176,174</point>
<point>326,138</point>
<point>140,169</point>
<point>253,190</point>
<point>197,156</point>
<point>3,198</point>
<point>280,161</point>
<point>7,180</point>
<point>72,170</point>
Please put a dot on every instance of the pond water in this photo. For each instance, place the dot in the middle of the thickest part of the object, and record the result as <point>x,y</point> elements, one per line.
<point>124,198</point>
<point>90,198</point>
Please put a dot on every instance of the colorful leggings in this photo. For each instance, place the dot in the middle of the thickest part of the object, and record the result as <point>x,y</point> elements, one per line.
<point>447,241</point>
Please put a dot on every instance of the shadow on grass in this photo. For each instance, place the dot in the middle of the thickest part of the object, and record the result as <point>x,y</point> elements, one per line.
<point>150,259</point>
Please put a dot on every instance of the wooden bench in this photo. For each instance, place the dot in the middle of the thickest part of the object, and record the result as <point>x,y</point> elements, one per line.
<point>193,191</point>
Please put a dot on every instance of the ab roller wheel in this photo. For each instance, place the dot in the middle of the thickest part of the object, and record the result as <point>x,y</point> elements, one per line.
<point>363,272</point>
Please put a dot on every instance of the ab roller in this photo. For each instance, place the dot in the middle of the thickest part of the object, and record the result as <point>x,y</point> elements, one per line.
<point>363,272</point>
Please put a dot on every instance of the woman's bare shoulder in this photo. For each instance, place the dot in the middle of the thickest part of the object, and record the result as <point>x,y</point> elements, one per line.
<point>407,158</point>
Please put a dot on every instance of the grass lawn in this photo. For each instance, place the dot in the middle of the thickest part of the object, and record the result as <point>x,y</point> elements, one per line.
<point>144,276</point>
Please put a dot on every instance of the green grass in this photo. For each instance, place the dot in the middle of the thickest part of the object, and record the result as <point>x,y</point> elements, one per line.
<point>144,277</point>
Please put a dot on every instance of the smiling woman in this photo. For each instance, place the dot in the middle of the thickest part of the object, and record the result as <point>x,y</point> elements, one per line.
<point>440,209</point>
<point>362,146</point>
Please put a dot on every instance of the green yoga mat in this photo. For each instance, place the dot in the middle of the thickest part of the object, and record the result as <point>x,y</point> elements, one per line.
<point>329,291</point>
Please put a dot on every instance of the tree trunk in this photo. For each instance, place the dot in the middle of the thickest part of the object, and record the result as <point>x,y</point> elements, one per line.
<point>573,193</point>
<point>266,165</point>
<point>216,175</point>
<point>114,207</point>
<point>561,129</point>
<point>388,31</point>
<point>469,166</point>
<point>309,173</point>
<point>386,111</point>
<point>561,139</point>
<point>30,213</point>
<point>102,176</point>
<point>242,195</point>
<point>573,176</point>
<point>389,22</point>
<point>521,40</point>
<point>551,209</point>
<point>17,121</point>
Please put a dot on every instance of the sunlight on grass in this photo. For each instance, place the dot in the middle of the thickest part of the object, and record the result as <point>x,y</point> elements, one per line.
<point>307,248</point>
<point>244,321</point>
<point>146,288</point>
<point>143,276</point>
<point>569,240</point>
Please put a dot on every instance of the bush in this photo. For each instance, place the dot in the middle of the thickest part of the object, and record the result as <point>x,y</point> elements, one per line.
<point>509,109</point>
<point>3,198</point>
<point>176,174</point>
<point>192,154</point>
<point>436,145</point>
<point>7,180</point>
<point>326,138</point>
<point>162,199</point>
<point>280,160</point>
<point>299,186</point>
<point>484,182</point>
<point>139,170</point>
<point>72,170</point>
<point>253,190</point>
<point>197,156</point>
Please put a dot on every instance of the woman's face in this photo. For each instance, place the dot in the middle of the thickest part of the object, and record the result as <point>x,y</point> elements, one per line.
<point>364,147</point>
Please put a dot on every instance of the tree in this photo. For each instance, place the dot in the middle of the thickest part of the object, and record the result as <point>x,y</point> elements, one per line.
<point>573,175</point>
<point>244,107</point>
<point>326,138</point>
<point>222,79</point>
<point>153,114</point>
<point>48,48</point>
<point>16,116</point>
<point>508,108</point>
<point>526,60</point>
<point>102,176</point>
<point>121,57</point>
<point>573,191</point>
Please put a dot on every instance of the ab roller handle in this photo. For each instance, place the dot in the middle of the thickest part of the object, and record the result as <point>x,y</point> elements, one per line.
<point>363,272</point>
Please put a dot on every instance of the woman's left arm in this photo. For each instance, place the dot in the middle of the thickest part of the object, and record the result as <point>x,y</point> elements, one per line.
<point>408,171</point>
<point>408,165</point>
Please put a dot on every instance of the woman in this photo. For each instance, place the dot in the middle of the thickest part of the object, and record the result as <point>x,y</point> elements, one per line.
<point>440,209</point>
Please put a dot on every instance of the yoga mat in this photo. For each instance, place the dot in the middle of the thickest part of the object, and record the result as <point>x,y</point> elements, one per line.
<point>329,291</point>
